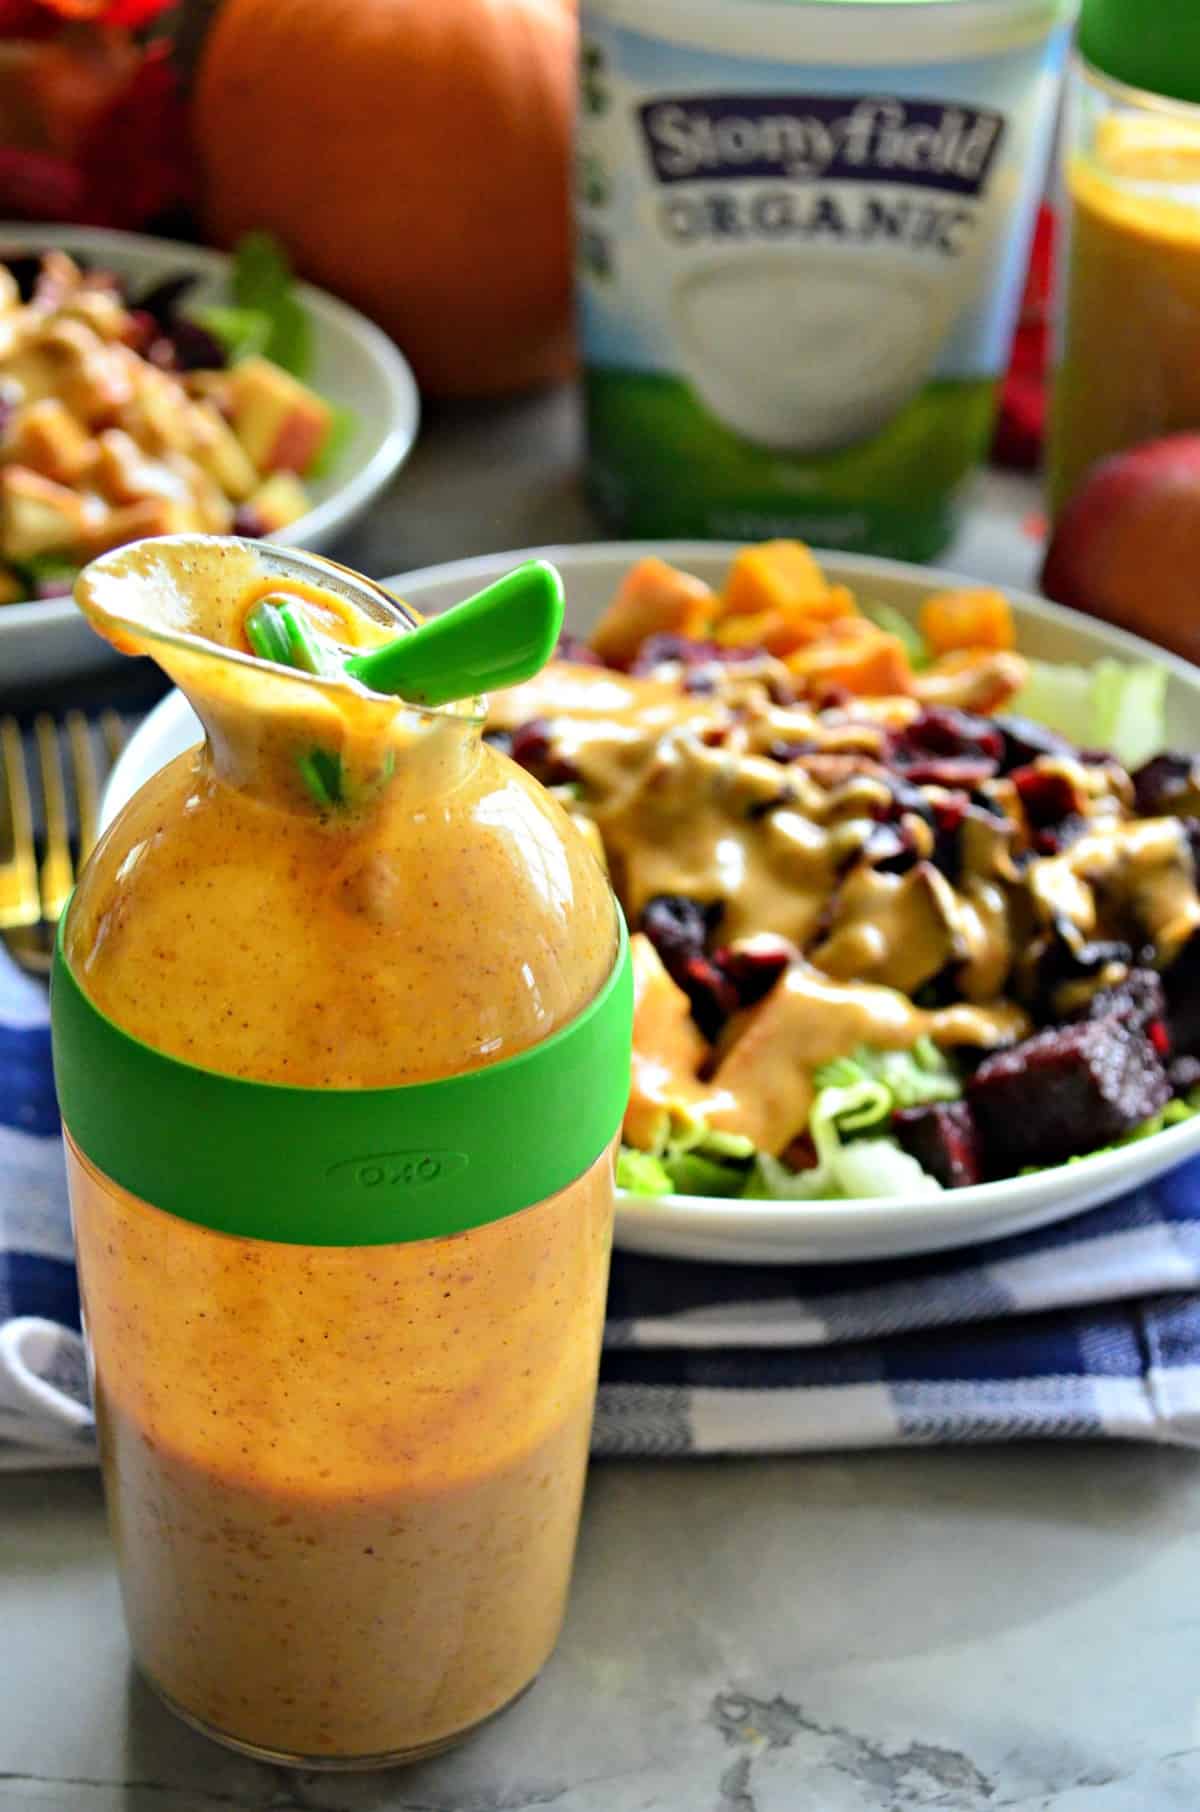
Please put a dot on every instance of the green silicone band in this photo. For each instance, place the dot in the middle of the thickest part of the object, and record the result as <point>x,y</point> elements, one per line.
<point>342,1167</point>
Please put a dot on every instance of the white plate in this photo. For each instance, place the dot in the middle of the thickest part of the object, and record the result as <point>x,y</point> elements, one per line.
<point>354,365</point>
<point>807,1232</point>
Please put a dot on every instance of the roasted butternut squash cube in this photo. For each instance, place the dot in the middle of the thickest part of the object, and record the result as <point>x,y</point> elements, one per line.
<point>280,422</point>
<point>654,598</point>
<point>774,575</point>
<point>976,617</point>
<point>871,665</point>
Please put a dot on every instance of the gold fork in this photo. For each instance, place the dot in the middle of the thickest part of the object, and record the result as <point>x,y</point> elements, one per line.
<point>32,892</point>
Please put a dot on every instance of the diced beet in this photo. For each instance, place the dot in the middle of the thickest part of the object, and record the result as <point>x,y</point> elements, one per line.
<point>247,521</point>
<point>1064,1092</point>
<point>1181,983</point>
<point>1165,784</point>
<point>754,967</point>
<point>533,749</point>
<point>943,1138</point>
<point>1138,1001</point>
<point>1024,741</point>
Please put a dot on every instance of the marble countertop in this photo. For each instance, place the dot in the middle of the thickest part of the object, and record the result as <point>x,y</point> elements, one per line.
<point>970,1630</point>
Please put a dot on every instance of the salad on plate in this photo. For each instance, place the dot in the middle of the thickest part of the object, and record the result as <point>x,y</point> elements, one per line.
<point>910,911</point>
<point>125,414</point>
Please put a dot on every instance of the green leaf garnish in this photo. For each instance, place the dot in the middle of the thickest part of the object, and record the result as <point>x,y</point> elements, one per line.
<point>321,772</point>
<point>240,332</point>
<point>262,282</point>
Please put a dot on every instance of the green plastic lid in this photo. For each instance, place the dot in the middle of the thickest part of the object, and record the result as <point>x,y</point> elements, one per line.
<point>1149,44</point>
<point>342,1167</point>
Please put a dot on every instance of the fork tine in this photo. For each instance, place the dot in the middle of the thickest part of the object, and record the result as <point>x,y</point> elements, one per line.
<point>19,900</point>
<point>87,786</point>
<point>58,875</point>
<point>112,728</point>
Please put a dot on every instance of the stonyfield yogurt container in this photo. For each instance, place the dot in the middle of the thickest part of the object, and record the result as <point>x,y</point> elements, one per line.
<point>803,231</point>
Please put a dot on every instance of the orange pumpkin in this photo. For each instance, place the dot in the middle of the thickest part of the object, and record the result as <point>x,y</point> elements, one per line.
<point>413,156</point>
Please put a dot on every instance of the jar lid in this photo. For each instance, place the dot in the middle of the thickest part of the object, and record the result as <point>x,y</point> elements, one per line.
<point>1149,44</point>
<point>342,1167</point>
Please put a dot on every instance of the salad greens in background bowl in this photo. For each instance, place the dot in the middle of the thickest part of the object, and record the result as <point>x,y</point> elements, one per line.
<point>860,1195</point>
<point>250,307</point>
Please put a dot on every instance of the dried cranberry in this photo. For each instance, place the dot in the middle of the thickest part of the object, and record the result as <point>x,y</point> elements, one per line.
<point>573,648</point>
<point>950,771</point>
<point>659,650</point>
<point>677,926</point>
<point>533,749</point>
<point>1052,841</point>
<point>943,1138</point>
<point>941,730</point>
<point>1047,795</point>
<point>1161,785</point>
<point>248,521</point>
<point>1024,741</point>
<point>141,328</point>
<point>711,993</point>
<point>754,967</point>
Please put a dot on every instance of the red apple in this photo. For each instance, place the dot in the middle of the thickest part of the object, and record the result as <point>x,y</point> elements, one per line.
<point>1127,545</point>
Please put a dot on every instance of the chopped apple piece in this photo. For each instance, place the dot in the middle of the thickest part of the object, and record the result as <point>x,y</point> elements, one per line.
<point>280,501</point>
<point>152,516</point>
<point>279,421</point>
<point>217,450</point>
<point>47,438</point>
<point>38,516</point>
<point>653,598</point>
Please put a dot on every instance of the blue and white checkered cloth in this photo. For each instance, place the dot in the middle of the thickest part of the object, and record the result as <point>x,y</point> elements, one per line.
<point>1086,1329</point>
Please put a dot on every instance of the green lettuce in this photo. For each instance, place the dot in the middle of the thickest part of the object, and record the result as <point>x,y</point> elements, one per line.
<point>1118,706</point>
<point>894,622</point>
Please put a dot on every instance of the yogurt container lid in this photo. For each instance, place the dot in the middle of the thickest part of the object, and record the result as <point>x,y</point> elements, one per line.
<point>1154,46</point>
<point>847,32</point>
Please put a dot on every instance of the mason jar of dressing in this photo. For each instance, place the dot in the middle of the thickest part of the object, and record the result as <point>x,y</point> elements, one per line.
<point>802,233</point>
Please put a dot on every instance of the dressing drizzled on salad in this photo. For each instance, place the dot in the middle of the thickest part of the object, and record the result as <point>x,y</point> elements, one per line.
<point>861,858</point>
